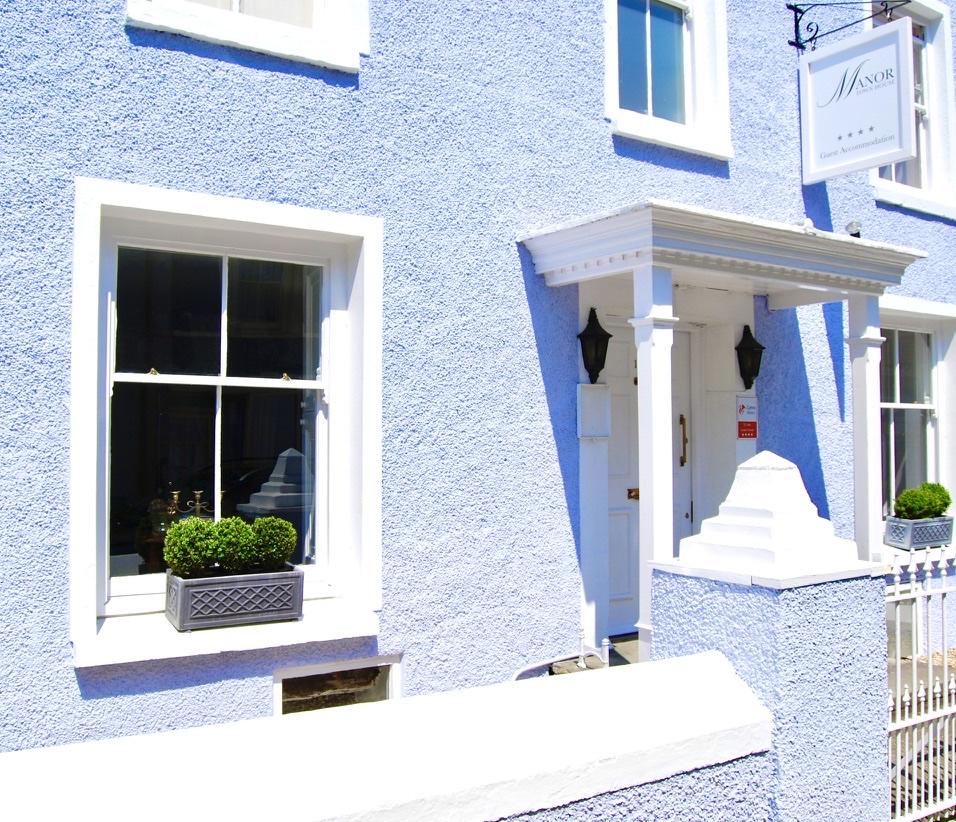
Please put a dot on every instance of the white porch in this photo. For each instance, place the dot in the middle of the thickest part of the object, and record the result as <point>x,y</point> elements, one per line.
<point>661,268</point>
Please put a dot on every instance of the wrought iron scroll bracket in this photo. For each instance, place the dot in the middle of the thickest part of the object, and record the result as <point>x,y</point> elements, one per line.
<point>807,34</point>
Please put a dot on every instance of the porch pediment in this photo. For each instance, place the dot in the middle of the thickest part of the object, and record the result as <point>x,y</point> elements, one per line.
<point>791,264</point>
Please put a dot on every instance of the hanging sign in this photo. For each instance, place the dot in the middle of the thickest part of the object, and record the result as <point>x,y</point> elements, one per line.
<point>856,102</point>
<point>746,417</point>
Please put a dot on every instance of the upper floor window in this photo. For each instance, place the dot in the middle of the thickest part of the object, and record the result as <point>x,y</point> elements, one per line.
<point>908,412</point>
<point>666,73</point>
<point>650,58</point>
<point>326,32</point>
<point>912,172</point>
<point>924,182</point>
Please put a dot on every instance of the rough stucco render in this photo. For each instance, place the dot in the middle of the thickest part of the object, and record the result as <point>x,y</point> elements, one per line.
<point>816,657</point>
<point>736,791</point>
<point>468,124</point>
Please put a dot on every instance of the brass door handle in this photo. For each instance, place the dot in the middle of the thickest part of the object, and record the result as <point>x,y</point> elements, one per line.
<point>634,493</point>
<point>683,436</point>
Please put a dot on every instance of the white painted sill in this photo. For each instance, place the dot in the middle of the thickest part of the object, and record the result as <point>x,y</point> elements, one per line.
<point>912,198</point>
<point>700,139</point>
<point>141,637</point>
<point>306,45</point>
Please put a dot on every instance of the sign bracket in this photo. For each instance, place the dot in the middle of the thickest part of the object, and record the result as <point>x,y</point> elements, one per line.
<point>807,34</point>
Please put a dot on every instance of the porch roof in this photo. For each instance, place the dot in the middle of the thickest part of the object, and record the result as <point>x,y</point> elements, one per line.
<point>791,264</point>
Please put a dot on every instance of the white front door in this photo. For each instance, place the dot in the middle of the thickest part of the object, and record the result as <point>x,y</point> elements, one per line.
<point>683,438</point>
<point>623,505</point>
<point>623,492</point>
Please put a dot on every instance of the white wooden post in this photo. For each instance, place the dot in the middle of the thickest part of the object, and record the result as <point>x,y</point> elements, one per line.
<point>864,342</point>
<point>594,429</point>
<point>653,323</point>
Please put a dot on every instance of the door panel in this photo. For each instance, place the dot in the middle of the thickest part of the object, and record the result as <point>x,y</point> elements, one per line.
<point>683,438</point>
<point>623,513</point>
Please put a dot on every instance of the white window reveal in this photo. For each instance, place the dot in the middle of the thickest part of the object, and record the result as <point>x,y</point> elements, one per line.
<point>226,362</point>
<point>331,33</point>
<point>666,73</point>
<point>924,183</point>
<point>908,412</point>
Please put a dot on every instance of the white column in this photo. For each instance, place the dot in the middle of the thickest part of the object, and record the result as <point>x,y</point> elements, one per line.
<point>594,429</point>
<point>654,337</point>
<point>865,342</point>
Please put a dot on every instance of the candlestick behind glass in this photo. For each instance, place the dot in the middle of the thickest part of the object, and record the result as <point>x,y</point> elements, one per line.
<point>196,507</point>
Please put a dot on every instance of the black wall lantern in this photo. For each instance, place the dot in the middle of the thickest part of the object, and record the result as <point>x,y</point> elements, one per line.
<point>594,341</point>
<point>749,354</point>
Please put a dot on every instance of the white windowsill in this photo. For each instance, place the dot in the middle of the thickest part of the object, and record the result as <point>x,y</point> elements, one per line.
<point>912,198</point>
<point>227,28</point>
<point>141,637</point>
<point>698,140</point>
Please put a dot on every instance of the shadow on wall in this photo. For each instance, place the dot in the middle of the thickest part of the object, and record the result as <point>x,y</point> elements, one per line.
<point>787,425</point>
<point>670,157</point>
<point>159,675</point>
<point>816,204</point>
<point>238,56</point>
<point>554,318</point>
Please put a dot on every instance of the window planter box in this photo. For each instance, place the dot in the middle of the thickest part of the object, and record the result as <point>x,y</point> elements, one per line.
<point>217,602</point>
<point>911,534</point>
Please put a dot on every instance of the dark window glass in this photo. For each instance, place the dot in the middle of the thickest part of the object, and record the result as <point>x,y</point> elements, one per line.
<point>161,439</point>
<point>268,454</point>
<point>168,309</point>
<point>632,54</point>
<point>273,319</point>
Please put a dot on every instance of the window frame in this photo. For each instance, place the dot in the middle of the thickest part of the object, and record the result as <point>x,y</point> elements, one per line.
<point>146,592</point>
<point>107,614</point>
<point>706,129</point>
<point>897,404</point>
<point>339,34</point>
<point>939,321</point>
<point>935,195</point>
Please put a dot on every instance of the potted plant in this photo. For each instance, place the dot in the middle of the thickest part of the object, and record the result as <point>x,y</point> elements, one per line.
<point>920,520</point>
<point>231,573</point>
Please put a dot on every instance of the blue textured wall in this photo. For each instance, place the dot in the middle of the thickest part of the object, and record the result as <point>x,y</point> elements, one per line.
<point>469,123</point>
<point>736,791</point>
<point>816,657</point>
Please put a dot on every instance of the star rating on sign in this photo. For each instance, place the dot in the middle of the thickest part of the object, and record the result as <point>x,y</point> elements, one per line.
<point>850,135</point>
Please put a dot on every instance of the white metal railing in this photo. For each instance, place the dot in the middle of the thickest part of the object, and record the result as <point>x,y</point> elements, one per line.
<point>921,588</point>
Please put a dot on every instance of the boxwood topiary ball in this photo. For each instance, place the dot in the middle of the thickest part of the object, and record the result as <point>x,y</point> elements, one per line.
<point>275,541</point>
<point>928,501</point>
<point>236,546</point>
<point>190,547</point>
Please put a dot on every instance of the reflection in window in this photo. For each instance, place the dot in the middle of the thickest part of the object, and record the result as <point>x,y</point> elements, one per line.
<point>651,58</point>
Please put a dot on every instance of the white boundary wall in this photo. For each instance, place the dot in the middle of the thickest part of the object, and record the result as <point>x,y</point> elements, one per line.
<point>473,754</point>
